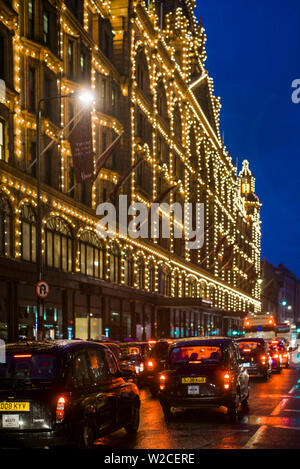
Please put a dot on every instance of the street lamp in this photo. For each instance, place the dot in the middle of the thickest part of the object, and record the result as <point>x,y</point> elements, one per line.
<point>86,97</point>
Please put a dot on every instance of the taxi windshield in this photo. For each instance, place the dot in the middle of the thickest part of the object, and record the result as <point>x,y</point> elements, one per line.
<point>27,369</point>
<point>130,350</point>
<point>200,354</point>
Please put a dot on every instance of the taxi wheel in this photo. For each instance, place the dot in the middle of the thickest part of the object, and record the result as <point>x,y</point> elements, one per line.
<point>233,409</point>
<point>154,391</point>
<point>167,412</point>
<point>133,426</point>
<point>87,437</point>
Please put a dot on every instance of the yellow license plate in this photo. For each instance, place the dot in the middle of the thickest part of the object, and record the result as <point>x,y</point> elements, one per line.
<point>193,380</point>
<point>14,406</point>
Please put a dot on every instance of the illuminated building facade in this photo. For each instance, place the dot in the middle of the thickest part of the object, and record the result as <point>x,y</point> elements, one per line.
<point>145,61</point>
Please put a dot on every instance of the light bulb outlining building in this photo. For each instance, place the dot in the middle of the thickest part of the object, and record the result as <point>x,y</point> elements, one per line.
<point>145,61</point>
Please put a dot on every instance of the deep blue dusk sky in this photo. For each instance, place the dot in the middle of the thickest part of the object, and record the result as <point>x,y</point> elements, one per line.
<point>253,50</point>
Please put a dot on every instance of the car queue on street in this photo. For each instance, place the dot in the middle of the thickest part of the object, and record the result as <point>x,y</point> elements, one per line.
<point>69,393</point>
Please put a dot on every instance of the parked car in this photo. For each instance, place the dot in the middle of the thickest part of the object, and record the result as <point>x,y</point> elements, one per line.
<point>276,357</point>
<point>203,372</point>
<point>128,369</point>
<point>136,354</point>
<point>283,350</point>
<point>255,357</point>
<point>63,393</point>
<point>156,363</point>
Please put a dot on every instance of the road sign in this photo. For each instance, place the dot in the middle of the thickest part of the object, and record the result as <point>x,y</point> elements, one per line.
<point>42,289</point>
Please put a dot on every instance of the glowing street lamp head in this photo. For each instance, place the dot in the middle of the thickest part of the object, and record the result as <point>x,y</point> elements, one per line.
<point>86,97</point>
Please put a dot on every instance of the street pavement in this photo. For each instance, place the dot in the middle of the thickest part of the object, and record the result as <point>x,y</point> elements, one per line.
<point>271,421</point>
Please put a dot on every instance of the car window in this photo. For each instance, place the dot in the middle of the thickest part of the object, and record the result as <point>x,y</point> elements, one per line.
<point>81,376</point>
<point>96,363</point>
<point>111,364</point>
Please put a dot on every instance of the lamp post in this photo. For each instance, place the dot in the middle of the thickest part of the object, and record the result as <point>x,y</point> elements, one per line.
<point>86,98</point>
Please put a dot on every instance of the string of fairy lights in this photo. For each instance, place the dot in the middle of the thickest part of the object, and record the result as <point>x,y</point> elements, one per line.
<point>172,54</point>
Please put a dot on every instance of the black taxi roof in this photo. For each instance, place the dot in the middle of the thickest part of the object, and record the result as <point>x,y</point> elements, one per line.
<point>51,346</point>
<point>222,341</point>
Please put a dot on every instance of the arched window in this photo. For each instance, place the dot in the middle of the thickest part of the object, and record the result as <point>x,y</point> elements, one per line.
<point>5,228</point>
<point>28,233</point>
<point>91,254</point>
<point>192,288</point>
<point>128,269</point>
<point>164,281</point>
<point>203,289</point>
<point>151,276</point>
<point>140,273</point>
<point>212,294</point>
<point>115,263</point>
<point>176,284</point>
<point>58,244</point>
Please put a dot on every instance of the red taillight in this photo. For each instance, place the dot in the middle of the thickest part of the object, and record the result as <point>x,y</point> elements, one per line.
<point>285,355</point>
<point>60,408</point>
<point>226,380</point>
<point>276,355</point>
<point>162,383</point>
<point>150,364</point>
<point>246,350</point>
<point>23,356</point>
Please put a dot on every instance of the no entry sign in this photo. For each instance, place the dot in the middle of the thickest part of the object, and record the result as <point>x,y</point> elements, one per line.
<point>42,289</point>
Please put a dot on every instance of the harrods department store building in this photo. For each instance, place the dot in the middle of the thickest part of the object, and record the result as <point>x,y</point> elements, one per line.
<point>145,61</point>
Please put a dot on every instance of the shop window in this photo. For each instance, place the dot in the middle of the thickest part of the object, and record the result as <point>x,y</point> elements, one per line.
<point>5,228</point>
<point>28,233</point>
<point>91,255</point>
<point>58,241</point>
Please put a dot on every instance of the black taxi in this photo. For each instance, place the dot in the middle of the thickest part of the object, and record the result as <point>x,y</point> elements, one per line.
<point>63,393</point>
<point>203,372</point>
<point>255,357</point>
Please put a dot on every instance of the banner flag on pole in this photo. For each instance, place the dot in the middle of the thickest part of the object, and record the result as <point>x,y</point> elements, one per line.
<point>82,149</point>
<point>101,160</point>
<point>124,178</point>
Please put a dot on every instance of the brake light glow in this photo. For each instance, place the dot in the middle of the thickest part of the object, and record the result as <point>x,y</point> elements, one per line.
<point>226,380</point>
<point>162,384</point>
<point>60,408</point>
<point>141,367</point>
<point>150,364</point>
<point>246,350</point>
<point>151,342</point>
<point>276,355</point>
<point>23,356</point>
<point>263,359</point>
<point>247,322</point>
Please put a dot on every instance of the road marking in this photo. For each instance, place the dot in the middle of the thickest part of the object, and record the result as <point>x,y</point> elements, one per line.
<point>279,407</point>
<point>222,437</point>
<point>255,437</point>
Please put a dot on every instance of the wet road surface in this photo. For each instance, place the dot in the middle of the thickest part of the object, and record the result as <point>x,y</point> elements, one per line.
<point>272,421</point>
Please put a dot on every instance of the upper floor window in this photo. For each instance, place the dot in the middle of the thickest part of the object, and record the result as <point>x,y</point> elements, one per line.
<point>30,13</point>
<point>58,244</point>
<point>128,269</point>
<point>2,67</point>
<point>28,233</point>
<point>140,273</point>
<point>31,90</point>
<point>46,33</point>
<point>5,228</point>
<point>70,56</point>
<point>2,140</point>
